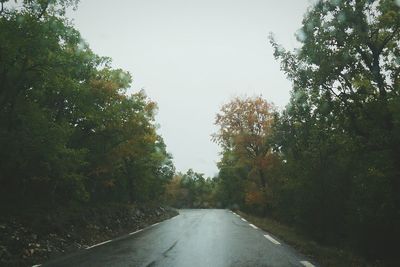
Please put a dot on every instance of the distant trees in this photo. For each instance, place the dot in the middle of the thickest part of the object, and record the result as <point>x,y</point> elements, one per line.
<point>191,190</point>
<point>68,130</point>
<point>336,145</point>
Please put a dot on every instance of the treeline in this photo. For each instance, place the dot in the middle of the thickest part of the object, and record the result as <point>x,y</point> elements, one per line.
<point>69,132</point>
<point>192,190</point>
<point>329,163</point>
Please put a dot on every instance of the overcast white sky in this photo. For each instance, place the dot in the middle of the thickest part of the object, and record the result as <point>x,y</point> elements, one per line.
<point>192,56</point>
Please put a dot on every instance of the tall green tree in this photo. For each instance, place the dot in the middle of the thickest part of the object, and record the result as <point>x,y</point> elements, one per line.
<point>69,132</point>
<point>339,136</point>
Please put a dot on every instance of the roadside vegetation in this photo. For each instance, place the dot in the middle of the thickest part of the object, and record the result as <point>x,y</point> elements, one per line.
<point>75,147</point>
<point>69,132</point>
<point>328,164</point>
<point>324,168</point>
<point>324,255</point>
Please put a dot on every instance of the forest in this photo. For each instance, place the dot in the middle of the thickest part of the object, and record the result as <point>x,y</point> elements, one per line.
<point>327,164</point>
<point>69,132</point>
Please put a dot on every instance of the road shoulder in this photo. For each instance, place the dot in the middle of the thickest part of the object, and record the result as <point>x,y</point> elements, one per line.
<point>323,255</point>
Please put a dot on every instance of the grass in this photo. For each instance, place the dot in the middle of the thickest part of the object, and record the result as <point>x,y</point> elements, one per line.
<point>322,255</point>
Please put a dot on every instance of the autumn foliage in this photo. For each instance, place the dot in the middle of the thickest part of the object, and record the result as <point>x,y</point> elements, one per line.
<point>245,128</point>
<point>192,190</point>
<point>69,131</point>
<point>328,163</point>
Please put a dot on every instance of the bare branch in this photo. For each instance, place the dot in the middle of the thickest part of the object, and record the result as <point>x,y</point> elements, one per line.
<point>44,9</point>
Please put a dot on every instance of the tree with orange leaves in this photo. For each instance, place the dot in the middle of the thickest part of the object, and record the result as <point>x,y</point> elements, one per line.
<point>245,125</point>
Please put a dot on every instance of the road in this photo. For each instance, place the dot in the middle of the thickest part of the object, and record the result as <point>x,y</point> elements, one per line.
<point>193,238</point>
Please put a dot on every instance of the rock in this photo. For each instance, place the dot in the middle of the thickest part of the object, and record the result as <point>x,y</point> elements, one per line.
<point>72,247</point>
<point>138,213</point>
<point>48,244</point>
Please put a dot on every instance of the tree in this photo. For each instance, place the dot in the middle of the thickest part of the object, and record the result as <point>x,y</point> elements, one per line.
<point>245,128</point>
<point>191,190</point>
<point>69,132</point>
<point>39,79</point>
<point>339,134</point>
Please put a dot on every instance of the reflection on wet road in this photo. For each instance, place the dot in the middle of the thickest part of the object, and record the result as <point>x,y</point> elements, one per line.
<point>194,238</point>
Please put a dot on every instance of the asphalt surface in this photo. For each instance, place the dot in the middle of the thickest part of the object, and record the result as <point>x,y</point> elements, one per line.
<point>193,238</point>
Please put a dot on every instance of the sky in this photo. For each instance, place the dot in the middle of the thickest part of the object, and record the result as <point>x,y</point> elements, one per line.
<point>191,57</point>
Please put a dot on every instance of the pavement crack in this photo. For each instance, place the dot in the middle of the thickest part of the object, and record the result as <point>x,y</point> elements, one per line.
<point>164,255</point>
<point>169,249</point>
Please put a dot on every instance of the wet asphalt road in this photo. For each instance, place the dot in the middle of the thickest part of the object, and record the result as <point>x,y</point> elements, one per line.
<point>193,238</point>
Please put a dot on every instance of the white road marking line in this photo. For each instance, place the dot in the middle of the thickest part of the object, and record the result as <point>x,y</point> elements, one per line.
<point>271,239</point>
<point>252,225</point>
<point>99,244</point>
<point>243,219</point>
<point>307,264</point>
<point>136,232</point>
<point>102,243</point>
<point>37,265</point>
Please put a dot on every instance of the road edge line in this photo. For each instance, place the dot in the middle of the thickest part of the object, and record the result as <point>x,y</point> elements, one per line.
<point>137,231</point>
<point>252,225</point>
<point>270,238</point>
<point>99,244</point>
<point>307,264</point>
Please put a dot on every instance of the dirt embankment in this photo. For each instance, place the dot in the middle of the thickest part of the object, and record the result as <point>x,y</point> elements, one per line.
<point>33,237</point>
